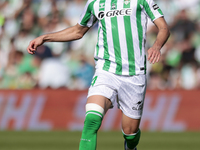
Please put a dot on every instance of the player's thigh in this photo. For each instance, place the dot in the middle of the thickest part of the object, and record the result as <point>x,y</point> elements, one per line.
<point>131,96</point>
<point>100,100</point>
<point>103,90</point>
<point>130,125</point>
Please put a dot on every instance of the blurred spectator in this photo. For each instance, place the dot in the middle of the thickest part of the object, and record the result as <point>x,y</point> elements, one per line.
<point>84,73</point>
<point>53,74</point>
<point>19,72</point>
<point>182,27</point>
<point>73,11</point>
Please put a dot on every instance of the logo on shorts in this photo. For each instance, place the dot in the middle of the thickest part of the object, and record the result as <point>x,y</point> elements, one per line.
<point>94,80</point>
<point>139,106</point>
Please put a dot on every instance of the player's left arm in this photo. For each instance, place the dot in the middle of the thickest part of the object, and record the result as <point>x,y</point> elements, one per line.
<point>154,53</point>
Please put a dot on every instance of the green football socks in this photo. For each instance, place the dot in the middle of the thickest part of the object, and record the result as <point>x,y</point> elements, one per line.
<point>92,124</point>
<point>132,140</point>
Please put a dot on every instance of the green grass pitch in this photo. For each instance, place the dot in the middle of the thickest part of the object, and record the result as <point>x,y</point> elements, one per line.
<point>111,140</point>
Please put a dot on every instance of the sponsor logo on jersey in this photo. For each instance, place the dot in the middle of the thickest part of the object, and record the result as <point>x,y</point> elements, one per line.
<point>155,7</point>
<point>127,2</point>
<point>113,13</point>
<point>101,15</point>
<point>139,106</point>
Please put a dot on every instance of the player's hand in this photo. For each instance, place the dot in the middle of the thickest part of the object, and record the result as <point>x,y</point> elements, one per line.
<point>32,47</point>
<point>153,55</point>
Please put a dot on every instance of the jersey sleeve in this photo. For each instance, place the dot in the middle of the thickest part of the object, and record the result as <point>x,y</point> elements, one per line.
<point>152,9</point>
<point>87,18</point>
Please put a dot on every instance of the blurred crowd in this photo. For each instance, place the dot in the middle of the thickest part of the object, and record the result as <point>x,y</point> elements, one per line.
<point>71,65</point>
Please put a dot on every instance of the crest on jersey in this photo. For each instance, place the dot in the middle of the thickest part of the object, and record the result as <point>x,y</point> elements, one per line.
<point>102,5</point>
<point>113,6</point>
<point>127,2</point>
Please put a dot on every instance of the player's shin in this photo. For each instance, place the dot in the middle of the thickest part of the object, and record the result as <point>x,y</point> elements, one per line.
<point>132,140</point>
<point>93,119</point>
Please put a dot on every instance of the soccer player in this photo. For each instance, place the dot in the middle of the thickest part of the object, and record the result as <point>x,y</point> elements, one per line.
<point>120,58</point>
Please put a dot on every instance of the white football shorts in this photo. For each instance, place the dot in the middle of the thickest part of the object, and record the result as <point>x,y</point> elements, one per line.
<point>127,91</point>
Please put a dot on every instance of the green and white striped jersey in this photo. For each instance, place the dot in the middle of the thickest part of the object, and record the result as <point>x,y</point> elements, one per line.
<point>122,33</point>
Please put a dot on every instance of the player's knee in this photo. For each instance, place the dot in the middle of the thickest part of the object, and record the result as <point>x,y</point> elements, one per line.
<point>130,133</point>
<point>132,139</point>
<point>129,130</point>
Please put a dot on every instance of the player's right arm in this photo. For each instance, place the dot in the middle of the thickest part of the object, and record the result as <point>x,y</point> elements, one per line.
<point>69,34</point>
